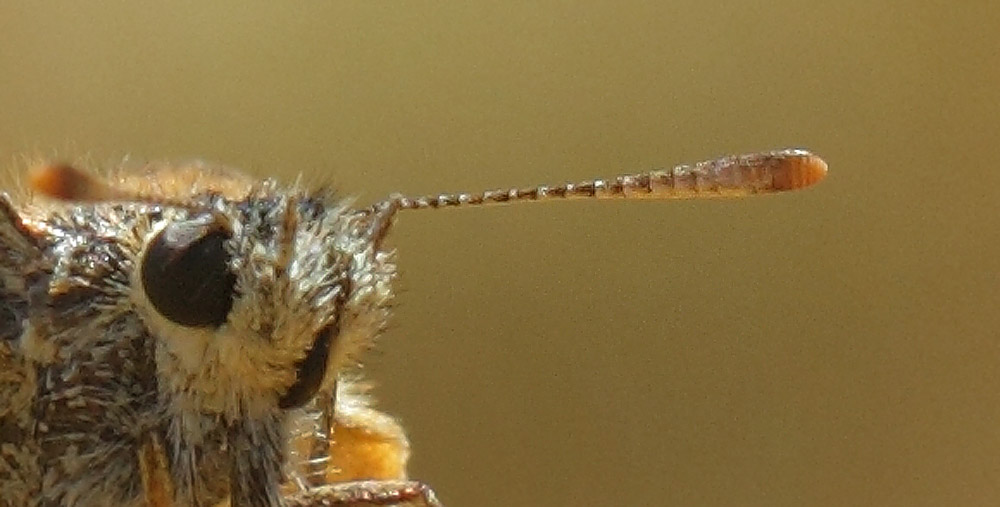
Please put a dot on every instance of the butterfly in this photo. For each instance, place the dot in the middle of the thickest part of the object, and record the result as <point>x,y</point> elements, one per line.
<point>185,334</point>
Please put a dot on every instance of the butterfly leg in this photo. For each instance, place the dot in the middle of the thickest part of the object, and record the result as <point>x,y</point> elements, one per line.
<point>364,460</point>
<point>395,493</point>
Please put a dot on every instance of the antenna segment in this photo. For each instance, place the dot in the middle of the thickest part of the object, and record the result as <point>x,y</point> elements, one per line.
<point>732,176</point>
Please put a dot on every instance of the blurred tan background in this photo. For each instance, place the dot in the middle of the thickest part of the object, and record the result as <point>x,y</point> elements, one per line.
<point>836,346</point>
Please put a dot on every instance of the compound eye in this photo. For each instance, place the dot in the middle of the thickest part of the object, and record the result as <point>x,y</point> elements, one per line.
<point>186,274</point>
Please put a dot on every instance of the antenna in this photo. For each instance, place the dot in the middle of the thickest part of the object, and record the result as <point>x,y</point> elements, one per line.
<point>732,176</point>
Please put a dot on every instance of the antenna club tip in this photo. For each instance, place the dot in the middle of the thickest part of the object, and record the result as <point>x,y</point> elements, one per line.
<point>63,181</point>
<point>799,169</point>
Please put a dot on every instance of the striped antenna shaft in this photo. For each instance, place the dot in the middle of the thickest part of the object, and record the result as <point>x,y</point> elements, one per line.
<point>731,176</point>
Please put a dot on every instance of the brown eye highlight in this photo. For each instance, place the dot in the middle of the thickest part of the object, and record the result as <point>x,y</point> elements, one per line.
<point>186,275</point>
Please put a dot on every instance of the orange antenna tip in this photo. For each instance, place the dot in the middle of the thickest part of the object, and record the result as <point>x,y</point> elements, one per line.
<point>65,182</point>
<point>797,169</point>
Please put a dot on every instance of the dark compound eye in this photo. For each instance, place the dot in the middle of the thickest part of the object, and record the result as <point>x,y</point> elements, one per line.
<point>186,274</point>
<point>309,372</point>
<point>311,369</point>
